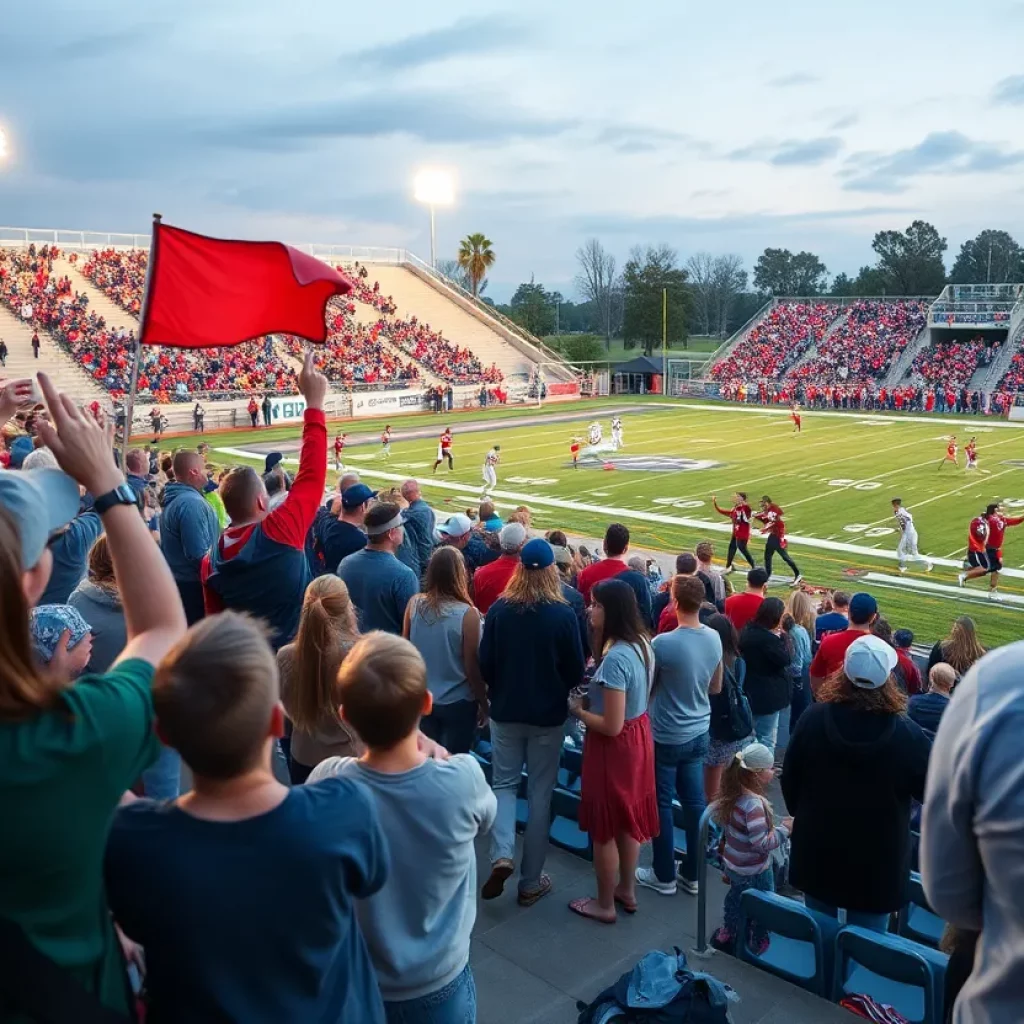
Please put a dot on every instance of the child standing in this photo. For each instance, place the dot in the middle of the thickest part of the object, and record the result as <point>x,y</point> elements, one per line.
<point>418,926</point>
<point>750,837</point>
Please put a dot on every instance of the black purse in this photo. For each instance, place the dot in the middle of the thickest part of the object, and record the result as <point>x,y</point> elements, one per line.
<point>731,717</point>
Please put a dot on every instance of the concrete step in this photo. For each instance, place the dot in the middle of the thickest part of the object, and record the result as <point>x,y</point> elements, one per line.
<point>114,315</point>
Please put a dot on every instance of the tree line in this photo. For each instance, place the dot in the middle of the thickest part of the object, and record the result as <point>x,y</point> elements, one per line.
<point>712,296</point>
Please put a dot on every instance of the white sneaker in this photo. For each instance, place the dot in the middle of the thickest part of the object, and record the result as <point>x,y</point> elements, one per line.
<point>928,567</point>
<point>647,878</point>
<point>796,583</point>
<point>690,888</point>
<point>993,595</point>
<point>903,569</point>
<point>961,579</point>
<point>728,570</point>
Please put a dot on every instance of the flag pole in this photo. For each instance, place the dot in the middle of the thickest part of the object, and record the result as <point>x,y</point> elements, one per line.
<point>129,411</point>
<point>664,341</point>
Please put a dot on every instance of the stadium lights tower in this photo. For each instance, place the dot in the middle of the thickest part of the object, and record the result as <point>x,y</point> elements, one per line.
<point>434,187</point>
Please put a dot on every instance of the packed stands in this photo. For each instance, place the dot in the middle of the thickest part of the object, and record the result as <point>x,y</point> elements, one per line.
<point>953,363</point>
<point>120,275</point>
<point>781,337</point>
<point>866,344</point>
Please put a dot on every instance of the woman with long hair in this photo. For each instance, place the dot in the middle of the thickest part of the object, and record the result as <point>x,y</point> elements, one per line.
<point>309,673</point>
<point>618,804</point>
<point>798,624</point>
<point>850,774</point>
<point>69,751</point>
<point>530,658</point>
<point>731,721</point>
<point>98,599</point>
<point>444,627</point>
<point>769,685</point>
<point>960,649</point>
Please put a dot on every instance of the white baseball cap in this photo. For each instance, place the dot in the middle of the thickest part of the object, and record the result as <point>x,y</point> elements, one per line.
<point>458,526</point>
<point>756,757</point>
<point>869,662</point>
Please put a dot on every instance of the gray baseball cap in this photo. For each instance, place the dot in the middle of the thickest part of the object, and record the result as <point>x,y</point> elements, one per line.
<point>39,501</point>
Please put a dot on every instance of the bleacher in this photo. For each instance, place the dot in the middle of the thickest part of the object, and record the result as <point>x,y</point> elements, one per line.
<point>953,363</point>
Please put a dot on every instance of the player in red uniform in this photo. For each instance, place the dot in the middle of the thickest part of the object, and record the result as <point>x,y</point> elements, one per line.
<point>339,447</point>
<point>990,537</point>
<point>794,412</point>
<point>740,516</point>
<point>951,450</point>
<point>444,450</point>
<point>385,442</point>
<point>775,530</point>
<point>971,451</point>
<point>574,451</point>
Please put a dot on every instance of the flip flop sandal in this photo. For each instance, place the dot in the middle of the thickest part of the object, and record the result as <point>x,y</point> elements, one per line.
<point>627,908</point>
<point>527,899</point>
<point>579,907</point>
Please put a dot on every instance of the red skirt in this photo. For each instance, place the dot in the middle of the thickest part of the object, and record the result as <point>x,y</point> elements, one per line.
<point>617,796</point>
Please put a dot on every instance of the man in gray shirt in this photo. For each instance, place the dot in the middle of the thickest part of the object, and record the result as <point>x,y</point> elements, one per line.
<point>687,668</point>
<point>418,926</point>
<point>972,832</point>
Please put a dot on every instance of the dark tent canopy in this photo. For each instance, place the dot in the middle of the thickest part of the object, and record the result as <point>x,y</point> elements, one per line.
<point>641,364</point>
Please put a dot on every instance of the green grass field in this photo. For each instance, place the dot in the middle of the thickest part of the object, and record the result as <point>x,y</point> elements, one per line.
<point>835,482</point>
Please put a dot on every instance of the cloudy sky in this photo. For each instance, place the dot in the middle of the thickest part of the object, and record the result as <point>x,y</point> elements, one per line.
<point>726,127</point>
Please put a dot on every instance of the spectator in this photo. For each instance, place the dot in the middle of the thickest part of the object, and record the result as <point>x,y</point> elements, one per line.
<point>960,649</point>
<point>54,626</point>
<point>798,624</point>
<point>686,565</point>
<point>308,670</point>
<point>618,807</point>
<point>237,837</point>
<point>418,926</point>
<point>906,673</point>
<point>852,767</point>
<point>769,681</point>
<point>489,518</point>
<point>445,628</point>
<point>732,723</point>
<point>336,536</point>
<point>714,584</point>
<point>928,708</point>
<point>408,552</point>
<point>259,564</point>
<point>459,533</point>
<point>99,602</point>
<point>419,522</point>
<point>687,670</point>
<point>835,619</point>
<point>379,583</point>
<point>188,529</point>
<point>136,472</point>
<point>530,659</point>
<point>490,580</point>
<point>567,566</point>
<point>616,546</point>
<point>972,831</point>
<point>69,547</point>
<point>741,608</point>
<point>750,837</point>
<point>68,753</point>
<point>829,659</point>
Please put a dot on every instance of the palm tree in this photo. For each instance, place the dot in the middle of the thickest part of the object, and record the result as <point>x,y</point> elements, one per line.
<point>475,257</point>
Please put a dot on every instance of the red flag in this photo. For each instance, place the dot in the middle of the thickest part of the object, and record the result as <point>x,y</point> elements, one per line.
<point>208,292</point>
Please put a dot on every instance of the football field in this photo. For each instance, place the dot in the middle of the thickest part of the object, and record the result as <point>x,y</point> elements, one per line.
<point>835,481</point>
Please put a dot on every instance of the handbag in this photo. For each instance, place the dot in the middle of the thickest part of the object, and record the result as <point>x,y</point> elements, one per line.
<point>731,717</point>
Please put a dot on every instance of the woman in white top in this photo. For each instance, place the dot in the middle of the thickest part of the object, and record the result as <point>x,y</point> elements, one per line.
<point>444,627</point>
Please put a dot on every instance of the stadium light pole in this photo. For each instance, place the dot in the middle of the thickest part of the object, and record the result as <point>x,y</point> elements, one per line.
<point>434,187</point>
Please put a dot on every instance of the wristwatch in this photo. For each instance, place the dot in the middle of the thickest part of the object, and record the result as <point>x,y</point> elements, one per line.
<point>122,494</point>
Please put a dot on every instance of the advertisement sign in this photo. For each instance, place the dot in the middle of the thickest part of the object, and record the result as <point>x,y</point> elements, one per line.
<point>384,403</point>
<point>287,409</point>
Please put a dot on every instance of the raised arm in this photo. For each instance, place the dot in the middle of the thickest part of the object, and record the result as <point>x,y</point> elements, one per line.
<point>83,447</point>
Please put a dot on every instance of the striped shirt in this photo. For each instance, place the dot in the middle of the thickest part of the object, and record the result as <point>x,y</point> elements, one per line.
<point>749,839</point>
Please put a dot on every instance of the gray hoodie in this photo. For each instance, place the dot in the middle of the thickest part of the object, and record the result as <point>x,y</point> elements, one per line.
<point>188,529</point>
<point>103,611</point>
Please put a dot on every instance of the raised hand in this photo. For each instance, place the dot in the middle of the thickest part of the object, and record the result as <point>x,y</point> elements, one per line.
<point>312,383</point>
<point>14,394</point>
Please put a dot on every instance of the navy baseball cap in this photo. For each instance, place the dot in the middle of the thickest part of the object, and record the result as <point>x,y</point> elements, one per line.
<point>537,554</point>
<point>356,495</point>
<point>862,607</point>
<point>271,461</point>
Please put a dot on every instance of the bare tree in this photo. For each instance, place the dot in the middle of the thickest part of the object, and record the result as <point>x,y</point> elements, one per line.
<point>730,280</point>
<point>596,281</point>
<point>701,267</point>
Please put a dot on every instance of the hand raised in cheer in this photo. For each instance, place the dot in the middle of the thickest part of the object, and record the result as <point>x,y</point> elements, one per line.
<point>15,395</point>
<point>312,383</point>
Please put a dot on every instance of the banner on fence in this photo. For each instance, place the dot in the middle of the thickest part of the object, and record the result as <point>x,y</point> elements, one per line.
<point>287,408</point>
<point>382,403</point>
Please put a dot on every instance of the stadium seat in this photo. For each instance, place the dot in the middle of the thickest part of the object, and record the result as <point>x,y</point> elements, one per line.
<point>917,921</point>
<point>892,970</point>
<point>565,829</point>
<point>571,771</point>
<point>797,949</point>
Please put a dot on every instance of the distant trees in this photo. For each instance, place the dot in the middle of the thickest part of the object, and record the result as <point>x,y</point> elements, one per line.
<point>476,257</point>
<point>780,272</point>
<point>455,273</point>
<point>533,307</point>
<point>993,257</point>
<point>598,284</point>
<point>651,273</point>
<point>717,283</point>
<point>910,261</point>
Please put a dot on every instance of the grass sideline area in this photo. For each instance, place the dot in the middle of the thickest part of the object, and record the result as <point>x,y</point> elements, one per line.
<point>835,482</point>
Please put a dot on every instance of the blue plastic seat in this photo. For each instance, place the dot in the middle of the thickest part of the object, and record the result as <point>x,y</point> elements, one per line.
<point>565,830</point>
<point>893,970</point>
<point>485,766</point>
<point>796,948</point>
<point>917,921</point>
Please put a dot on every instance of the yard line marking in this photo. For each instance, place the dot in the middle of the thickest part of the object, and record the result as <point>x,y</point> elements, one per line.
<point>646,517</point>
<point>941,590</point>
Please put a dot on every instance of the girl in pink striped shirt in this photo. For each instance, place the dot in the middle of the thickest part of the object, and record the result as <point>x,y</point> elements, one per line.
<point>749,837</point>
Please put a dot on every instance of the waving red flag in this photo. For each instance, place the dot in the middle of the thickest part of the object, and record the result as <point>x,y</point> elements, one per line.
<point>209,292</point>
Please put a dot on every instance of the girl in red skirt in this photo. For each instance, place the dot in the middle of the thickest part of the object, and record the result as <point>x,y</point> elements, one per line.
<point>618,805</point>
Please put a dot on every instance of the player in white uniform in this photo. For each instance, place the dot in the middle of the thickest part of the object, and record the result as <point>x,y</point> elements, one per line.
<point>907,547</point>
<point>490,473</point>
<point>617,441</point>
<point>385,442</point>
<point>595,434</point>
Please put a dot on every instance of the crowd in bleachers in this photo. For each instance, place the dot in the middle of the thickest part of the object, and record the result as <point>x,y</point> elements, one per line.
<point>420,665</point>
<point>953,363</point>
<point>864,346</point>
<point>119,274</point>
<point>777,341</point>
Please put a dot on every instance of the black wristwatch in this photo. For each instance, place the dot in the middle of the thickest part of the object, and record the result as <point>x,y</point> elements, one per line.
<point>122,494</point>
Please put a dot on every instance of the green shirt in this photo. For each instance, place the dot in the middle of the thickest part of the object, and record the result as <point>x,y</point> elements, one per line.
<point>61,775</point>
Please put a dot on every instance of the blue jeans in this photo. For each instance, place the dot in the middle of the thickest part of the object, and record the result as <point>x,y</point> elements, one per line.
<point>679,771</point>
<point>452,725</point>
<point>163,780</point>
<point>738,885</point>
<point>766,729</point>
<point>453,1004</point>
<point>873,922</point>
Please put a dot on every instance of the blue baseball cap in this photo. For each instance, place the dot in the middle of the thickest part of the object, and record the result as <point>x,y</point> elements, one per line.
<point>39,501</point>
<point>862,607</point>
<point>537,554</point>
<point>356,495</point>
<point>19,448</point>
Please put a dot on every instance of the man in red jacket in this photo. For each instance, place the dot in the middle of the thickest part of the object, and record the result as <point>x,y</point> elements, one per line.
<point>489,581</point>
